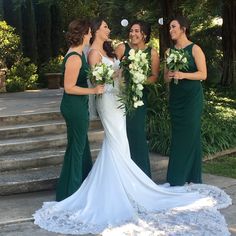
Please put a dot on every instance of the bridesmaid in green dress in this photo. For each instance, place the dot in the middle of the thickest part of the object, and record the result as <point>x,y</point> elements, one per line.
<point>139,36</point>
<point>186,102</point>
<point>74,108</point>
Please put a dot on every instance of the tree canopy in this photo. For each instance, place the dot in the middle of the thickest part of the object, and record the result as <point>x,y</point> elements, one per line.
<point>45,21</point>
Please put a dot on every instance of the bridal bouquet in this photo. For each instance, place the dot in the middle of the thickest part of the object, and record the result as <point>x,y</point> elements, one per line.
<point>177,60</point>
<point>101,73</point>
<point>135,69</point>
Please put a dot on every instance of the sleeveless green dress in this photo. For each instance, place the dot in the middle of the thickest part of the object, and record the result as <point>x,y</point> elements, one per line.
<point>136,130</point>
<point>186,103</point>
<point>77,160</point>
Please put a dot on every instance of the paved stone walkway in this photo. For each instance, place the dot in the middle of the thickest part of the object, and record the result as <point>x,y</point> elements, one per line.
<point>32,101</point>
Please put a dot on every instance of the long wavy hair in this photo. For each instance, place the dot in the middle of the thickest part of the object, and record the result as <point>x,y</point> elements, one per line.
<point>107,46</point>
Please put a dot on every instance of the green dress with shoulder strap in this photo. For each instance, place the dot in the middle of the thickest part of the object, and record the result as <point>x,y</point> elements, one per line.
<point>77,160</point>
<point>136,129</point>
<point>186,103</point>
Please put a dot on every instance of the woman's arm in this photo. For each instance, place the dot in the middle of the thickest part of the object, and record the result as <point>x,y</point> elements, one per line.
<point>155,66</point>
<point>200,61</point>
<point>72,69</point>
<point>94,57</point>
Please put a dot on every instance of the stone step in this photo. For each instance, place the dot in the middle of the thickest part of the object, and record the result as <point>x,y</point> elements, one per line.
<point>37,158</point>
<point>33,117</point>
<point>32,130</point>
<point>29,180</point>
<point>25,204</point>
<point>32,159</point>
<point>45,177</point>
<point>32,179</point>
<point>39,128</point>
<point>43,142</point>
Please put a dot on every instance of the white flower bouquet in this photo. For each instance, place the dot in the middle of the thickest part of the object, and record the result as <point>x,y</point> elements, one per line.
<point>177,59</point>
<point>101,74</point>
<point>136,69</point>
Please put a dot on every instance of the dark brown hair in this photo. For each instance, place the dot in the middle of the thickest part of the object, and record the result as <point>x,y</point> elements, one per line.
<point>183,22</point>
<point>145,28</point>
<point>77,29</point>
<point>107,46</point>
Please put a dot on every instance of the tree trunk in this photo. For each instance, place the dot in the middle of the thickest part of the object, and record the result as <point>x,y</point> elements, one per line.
<point>229,44</point>
<point>169,10</point>
<point>56,30</point>
<point>29,31</point>
<point>1,10</point>
<point>43,29</point>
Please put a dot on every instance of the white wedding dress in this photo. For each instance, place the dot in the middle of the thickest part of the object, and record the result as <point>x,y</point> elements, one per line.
<point>117,198</point>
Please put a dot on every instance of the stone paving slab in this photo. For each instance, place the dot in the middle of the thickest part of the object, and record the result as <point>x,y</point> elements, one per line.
<point>30,101</point>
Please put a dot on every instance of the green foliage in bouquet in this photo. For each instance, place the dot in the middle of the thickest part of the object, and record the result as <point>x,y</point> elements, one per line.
<point>101,73</point>
<point>177,60</point>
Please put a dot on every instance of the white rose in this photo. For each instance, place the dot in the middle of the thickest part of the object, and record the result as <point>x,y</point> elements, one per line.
<point>185,60</point>
<point>140,86</point>
<point>138,104</point>
<point>131,54</point>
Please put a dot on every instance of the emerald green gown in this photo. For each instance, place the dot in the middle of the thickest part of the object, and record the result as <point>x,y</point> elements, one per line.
<point>186,103</point>
<point>77,160</point>
<point>136,130</point>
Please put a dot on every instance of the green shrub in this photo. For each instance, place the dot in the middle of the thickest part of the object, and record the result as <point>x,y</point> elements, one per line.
<point>212,50</point>
<point>15,84</point>
<point>9,44</point>
<point>218,122</point>
<point>158,119</point>
<point>22,72</point>
<point>54,65</point>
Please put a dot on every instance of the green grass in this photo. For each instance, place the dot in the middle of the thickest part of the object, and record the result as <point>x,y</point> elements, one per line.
<point>222,166</point>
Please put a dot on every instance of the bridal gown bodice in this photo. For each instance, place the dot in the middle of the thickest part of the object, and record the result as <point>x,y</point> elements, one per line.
<point>117,198</point>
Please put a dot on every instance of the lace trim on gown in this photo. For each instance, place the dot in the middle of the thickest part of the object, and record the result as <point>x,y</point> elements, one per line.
<point>200,218</point>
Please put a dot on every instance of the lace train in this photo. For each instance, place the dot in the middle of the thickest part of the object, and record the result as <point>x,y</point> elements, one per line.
<point>199,218</point>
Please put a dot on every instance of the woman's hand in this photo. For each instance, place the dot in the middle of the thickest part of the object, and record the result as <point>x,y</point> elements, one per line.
<point>99,89</point>
<point>175,75</point>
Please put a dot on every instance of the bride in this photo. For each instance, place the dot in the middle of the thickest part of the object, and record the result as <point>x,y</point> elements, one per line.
<point>117,198</point>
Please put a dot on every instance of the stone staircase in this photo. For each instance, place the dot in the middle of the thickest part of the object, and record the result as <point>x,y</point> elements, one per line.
<point>32,149</point>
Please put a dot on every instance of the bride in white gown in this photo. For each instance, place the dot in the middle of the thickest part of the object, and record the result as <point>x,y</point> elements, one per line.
<point>117,198</point>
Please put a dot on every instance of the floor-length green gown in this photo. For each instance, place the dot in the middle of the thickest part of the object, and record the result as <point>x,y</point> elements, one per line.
<point>136,129</point>
<point>77,160</point>
<point>186,103</point>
